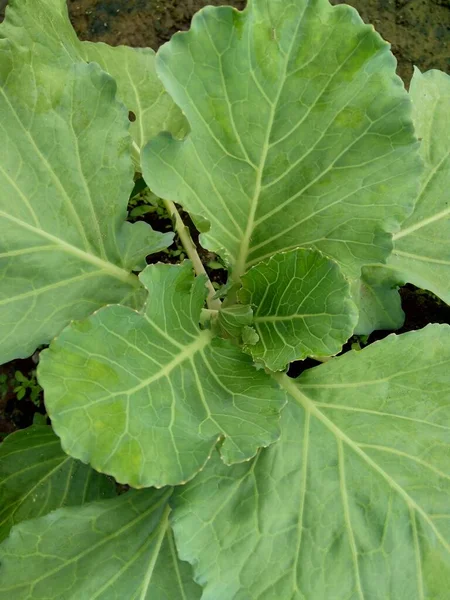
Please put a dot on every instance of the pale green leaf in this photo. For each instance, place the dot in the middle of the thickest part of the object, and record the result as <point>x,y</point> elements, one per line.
<point>421,250</point>
<point>233,319</point>
<point>65,178</point>
<point>146,396</point>
<point>36,477</point>
<point>378,300</point>
<point>119,549</point>
<point>302,307</point>
<point>287,147</point>
<point>139,89</point>
<point>47,23</point>
<point>249,336</point>
<point>353,502</point>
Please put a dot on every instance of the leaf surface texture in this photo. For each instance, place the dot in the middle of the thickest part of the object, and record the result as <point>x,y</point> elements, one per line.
<point>36,477</point>
<point>120,549</point>
<point>65,177</point>
<point>352,502</point>
<point>146,396</point>
<point>421,250</point>
<point>302,307</point>
<point>287,146</point>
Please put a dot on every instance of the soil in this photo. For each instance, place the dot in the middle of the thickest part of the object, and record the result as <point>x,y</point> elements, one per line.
<point>419,31</point>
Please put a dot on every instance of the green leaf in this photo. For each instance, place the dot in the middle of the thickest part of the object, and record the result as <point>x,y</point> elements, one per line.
<point>139,89</point>
<point>287,147</point>
<point>146,396</point>
<point>233,319</point>
<point>249,336</point>
<point>116,549</point>
<point>352,502</point>
<point>302,307</point>
<point>378,300</point>
<point>46,24</point>
<point>65,178</point>
<point>36,477</point>
<point>422,252</point>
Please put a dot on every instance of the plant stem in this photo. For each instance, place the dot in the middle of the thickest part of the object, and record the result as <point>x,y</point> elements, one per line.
<point>191,251</point>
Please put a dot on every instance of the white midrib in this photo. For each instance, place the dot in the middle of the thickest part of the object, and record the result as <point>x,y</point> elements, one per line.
<point>241,260</point>
<point>151,567</point>
<point>91,550</point>
<point>39,482</point>
<point>176,567</point>
<point>105,266</point>
<point>277,318</point>
<point>437,217</point>
<point>428,221</point>
<point>204,339</point>
<point>308,405</point>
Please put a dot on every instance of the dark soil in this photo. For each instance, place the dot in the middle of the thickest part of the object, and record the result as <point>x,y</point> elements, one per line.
<point>419,31</point>
<point>15,413</point>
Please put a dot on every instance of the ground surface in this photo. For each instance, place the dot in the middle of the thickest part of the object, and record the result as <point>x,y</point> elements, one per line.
<point>419,31</point>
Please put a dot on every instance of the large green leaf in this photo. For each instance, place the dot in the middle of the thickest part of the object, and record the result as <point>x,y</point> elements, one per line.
<point>421,250</point>
<point>119,549</point>
<point>46,23</point>
<point>302,307</point>
<point>146,396</point>
<point>65,177</point>
<point>353,502</point>
<point>287,147</point>
<point>36,477</point>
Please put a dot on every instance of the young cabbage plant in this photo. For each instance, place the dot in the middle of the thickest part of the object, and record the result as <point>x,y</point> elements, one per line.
<point>285,133</point>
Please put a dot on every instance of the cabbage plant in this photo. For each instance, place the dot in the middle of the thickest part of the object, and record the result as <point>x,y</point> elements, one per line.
<point>322,185</point>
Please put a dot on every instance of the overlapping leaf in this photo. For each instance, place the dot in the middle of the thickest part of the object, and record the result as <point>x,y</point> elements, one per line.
<point>146,396</point>
<point>36,477</point>
<point>46,23</point>
<point>352,502</point>
<point>287,147</point>
<point>119,549</point>
<point>234,319</point>
<point>302,307</point>
<point>422,250</point>
<point>378,300</point>
<point>65,177</point>
<point>139,89</point>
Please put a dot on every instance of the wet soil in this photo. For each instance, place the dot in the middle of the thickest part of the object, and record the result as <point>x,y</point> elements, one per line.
<point>419,31</point>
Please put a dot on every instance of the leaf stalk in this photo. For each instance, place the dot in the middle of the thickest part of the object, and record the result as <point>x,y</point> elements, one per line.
<point>191,251</point>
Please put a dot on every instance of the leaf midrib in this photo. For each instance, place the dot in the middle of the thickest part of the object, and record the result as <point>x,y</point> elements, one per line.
<point>204,339</point>
<point>241,261</point>
<point>49,167</point>
<point>309,406</point>
<point>429,220</point>
<point>105,266</point>
<point>129,525</point>
<point>276,318</point>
